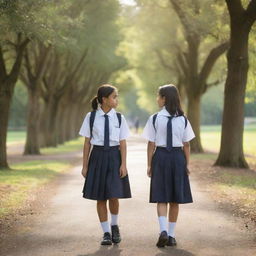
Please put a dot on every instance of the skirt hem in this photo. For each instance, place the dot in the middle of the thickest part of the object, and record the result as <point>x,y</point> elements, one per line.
<point>96,199</point>
<point>155,202</point>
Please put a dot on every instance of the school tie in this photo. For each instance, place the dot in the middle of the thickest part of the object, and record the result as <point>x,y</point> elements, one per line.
<point>169,134</point>
<point>106,133</point>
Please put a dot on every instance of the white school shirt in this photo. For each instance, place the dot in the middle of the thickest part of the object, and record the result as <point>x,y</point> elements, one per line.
<point>180,134</point>
<point>115,133</point>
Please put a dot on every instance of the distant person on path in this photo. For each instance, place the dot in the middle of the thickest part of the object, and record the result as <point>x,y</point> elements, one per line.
<point>137,124</point>
<point>104,169</point>
<point>168,133</point>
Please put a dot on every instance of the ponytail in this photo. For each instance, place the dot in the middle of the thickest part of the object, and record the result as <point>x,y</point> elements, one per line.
<point>103,91</point>
<point>95,103</point>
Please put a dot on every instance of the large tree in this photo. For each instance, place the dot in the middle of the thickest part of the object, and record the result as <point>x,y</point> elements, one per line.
<point>172,44</point>
<point>8,80</point>
<point>242,19</point>
<point>84,41</point>
<point>189,58</point>
<point>36,64</point>
<point>18,25</point>
<point>35,61</point>
<point>56,82</point>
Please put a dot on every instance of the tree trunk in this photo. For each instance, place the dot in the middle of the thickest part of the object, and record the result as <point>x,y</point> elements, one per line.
<point>62,118</point>
<point>194,103</point>
<point>34,68</point>
<point>5,102</point>
<point>7,84</point>
<point>51,133</point>
<point>66,134</point>
<point>231,151</point>
<point>67,125</point>
<point>32,140</point>
<point>73,125</point>
<point>43,126</point>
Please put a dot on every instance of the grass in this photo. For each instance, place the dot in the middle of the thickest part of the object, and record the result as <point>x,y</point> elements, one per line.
<point>237,180</point>
<point>16,136</point>
<point>251,160</point>
<point>17,184</point>
<point>211,135</point>
<point>234,188</point>
<point>73,145</point>
<point>238,190</point>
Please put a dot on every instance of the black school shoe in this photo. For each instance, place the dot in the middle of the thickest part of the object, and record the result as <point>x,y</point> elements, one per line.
<point>116,238</point>
<point>171,241</point>
<point>106,239</point>
<point>163,239</point>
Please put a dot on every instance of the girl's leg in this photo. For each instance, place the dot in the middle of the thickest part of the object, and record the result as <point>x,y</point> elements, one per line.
<point>162,213</point>
<point>173,216</point>
<point>103,215</point>
<point>102,210</point>
<point>114,210</point>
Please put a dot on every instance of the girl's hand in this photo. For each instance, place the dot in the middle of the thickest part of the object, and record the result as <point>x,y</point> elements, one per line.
<point>123,171</point>
<point>149,171</point>
<point>84,171</point>
<point>187,170</point>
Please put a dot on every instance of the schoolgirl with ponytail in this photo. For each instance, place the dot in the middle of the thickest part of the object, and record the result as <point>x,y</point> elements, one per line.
<point>104,169</point>
<point>168,133</point>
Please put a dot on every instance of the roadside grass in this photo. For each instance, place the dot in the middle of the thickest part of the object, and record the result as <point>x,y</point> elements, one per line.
<point>234,188</point>
<point>14,137</point>
<point>73,145</point>
<point>17,184</point>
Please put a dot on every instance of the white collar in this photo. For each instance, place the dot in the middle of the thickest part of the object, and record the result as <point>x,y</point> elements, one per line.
<point>164,112</point>
<point>102,113</point>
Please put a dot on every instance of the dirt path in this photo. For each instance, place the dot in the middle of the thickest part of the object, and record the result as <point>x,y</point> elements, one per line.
<point>68,225</point>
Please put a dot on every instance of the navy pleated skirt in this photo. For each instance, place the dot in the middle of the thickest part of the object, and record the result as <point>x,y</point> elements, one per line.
<point>169,180</point>
<point>103,177</point>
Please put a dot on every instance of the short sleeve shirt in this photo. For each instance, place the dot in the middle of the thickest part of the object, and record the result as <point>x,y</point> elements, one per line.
<point>158,134</point>
<point>116,133</point>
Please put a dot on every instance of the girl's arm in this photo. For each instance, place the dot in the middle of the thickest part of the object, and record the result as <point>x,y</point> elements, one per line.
<point>186,148</point>
<point>150,151</point>
<point>86,151</point>
<point>123,151</point>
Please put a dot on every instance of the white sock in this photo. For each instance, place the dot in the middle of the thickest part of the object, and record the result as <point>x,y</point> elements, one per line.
<point>171,229</point>
<point>162,223</point>
<point>114,218</point>
<point>105,226</point>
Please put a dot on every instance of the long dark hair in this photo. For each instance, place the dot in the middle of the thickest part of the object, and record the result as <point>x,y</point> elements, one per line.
<point>172,99</point>
<point>103,91</point>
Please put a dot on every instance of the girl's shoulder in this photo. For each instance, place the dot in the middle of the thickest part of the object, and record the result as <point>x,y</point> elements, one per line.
<point>153,116</point>
<point>88,114</point>
<point>117,113</point>
<point>152,119</point>
<point>120,114</point>
<point>183,119</point>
